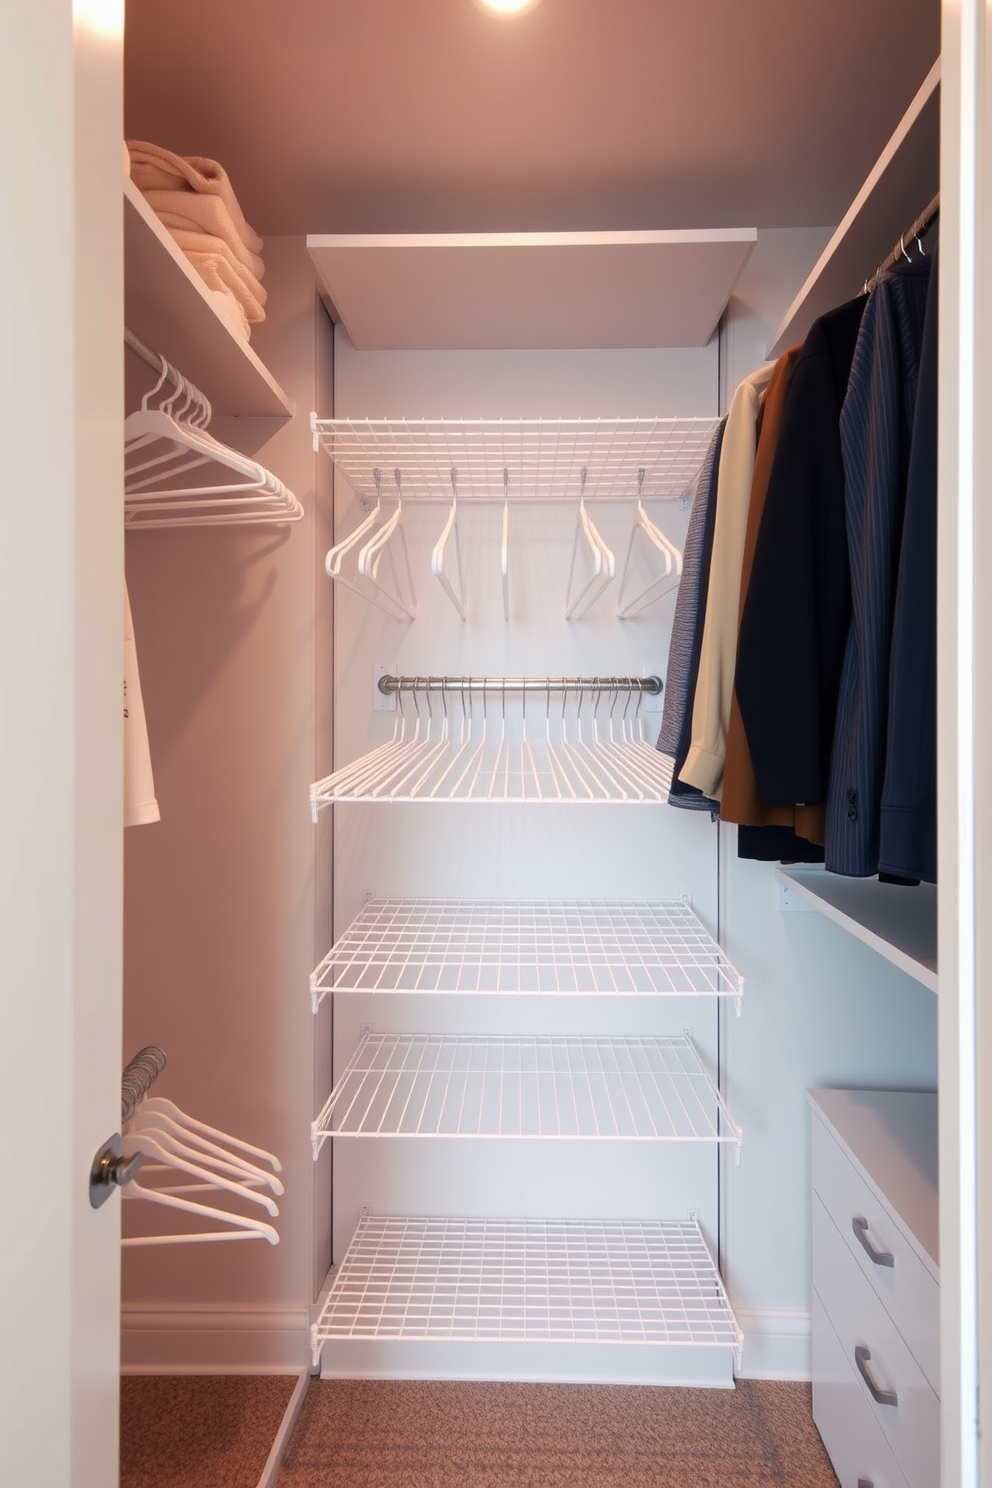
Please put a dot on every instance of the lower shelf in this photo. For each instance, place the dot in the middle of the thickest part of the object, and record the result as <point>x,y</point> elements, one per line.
<point>527,1281</point>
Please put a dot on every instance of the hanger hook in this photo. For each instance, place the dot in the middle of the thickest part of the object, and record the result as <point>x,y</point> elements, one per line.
<point>919,244</point>
<point>902,248</point>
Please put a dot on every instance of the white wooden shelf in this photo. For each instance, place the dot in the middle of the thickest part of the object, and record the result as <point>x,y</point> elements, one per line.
<point>528,1281</point>
<point>505,947</point>
<point>474,1085</point>
<point>544,459</point>
<point>899,923</point>
<point>517,291</point>
<point>901,183</point>
<point>168,306</point>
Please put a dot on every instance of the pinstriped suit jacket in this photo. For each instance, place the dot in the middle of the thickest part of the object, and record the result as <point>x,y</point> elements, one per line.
<point>876,430</point>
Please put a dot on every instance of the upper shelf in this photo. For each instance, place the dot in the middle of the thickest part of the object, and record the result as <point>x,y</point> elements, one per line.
<point>530,291</point>
<point>902,181</point>
<point>167,304</point>
<point>544,459</point>
<point>899,923</point>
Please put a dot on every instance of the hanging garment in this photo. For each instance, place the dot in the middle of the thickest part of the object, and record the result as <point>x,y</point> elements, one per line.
<point>140,805</point>
<point>703,767</point>
<point>908,833</point>
<point>687,629</point>
<point>876,430</point>
<point>797,610</point>
<point>740,801</point>
<point>687,601</point>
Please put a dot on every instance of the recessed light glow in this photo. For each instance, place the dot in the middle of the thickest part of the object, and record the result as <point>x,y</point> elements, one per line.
<point>506,7</point>
<point>105,17</point>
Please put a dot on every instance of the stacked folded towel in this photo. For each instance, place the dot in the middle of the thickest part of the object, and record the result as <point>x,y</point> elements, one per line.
<point>195,201</point>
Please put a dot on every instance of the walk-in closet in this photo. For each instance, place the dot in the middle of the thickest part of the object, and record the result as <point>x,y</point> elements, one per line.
<point>516,1024</point>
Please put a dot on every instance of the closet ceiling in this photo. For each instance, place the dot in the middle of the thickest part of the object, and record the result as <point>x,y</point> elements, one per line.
<point>372,116</point>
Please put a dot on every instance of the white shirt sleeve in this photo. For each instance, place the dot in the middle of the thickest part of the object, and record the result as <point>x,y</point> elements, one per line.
<point>140,804</point>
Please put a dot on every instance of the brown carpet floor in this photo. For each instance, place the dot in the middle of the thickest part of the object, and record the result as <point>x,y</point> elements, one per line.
<point>199,1430</point>
<point>412,1434</point>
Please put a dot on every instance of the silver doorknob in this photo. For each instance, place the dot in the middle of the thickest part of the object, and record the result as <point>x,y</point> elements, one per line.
<point>111,1169</point>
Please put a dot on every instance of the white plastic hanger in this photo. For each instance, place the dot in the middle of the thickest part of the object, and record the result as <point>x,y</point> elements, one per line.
<point>138,1140</point>
<point>659,546</point>
<point>370,557</point>
<point>177,1138</point>
<point>240,1226</point>
<point>164,444</point>
<point>457,597</point>
<point>603,562</point>
<point>168,1108</point>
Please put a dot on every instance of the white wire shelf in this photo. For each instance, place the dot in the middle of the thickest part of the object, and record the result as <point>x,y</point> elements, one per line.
<point>532,1281</point>
<point>474,1085</point>
<point>577,761</point>
<point>580,947</point>
<point>544,459</point>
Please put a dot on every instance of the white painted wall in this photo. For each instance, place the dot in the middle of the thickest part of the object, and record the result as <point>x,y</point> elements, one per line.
<point>222,909</point>
<point>818,1010</point>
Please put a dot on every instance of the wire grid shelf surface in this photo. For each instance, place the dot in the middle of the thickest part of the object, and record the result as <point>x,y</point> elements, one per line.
<point>581,947</point>
<point>577,761</point>
<point>534,1281</point>
<point>544,459</point>
<point>487,1085</point>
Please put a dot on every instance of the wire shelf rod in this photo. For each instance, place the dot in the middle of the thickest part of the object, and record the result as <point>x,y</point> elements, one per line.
<point>650,686</point>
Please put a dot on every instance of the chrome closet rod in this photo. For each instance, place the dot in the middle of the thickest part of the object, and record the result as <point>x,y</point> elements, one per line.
<point>650,685</point>
<point>149,357</point>
<point>916,229</point>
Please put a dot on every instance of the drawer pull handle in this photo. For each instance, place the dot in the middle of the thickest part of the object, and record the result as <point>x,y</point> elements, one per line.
<point>880,1397</point>
<point>880,1257</point>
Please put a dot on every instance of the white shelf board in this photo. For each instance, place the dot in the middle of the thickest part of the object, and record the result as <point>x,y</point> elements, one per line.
<point>503,947</point>
<point>544,459</point>
<point>900,184</point>
<point>519,291</point>
<point>528,1281</point>
<point>485,767</point>
<point>531,1086</point>
<point>168,306</point>
<point>899,923</point>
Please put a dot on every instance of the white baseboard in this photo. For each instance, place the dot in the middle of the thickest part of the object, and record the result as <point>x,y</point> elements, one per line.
<point>776,1344</point>
<point>235,1341</point>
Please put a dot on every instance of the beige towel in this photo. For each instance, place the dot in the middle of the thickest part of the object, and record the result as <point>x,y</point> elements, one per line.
<point>188,212</point>
<point>230,310</point>
<point>156,169</point>
<point>218,272</point>
<point>198,243</point>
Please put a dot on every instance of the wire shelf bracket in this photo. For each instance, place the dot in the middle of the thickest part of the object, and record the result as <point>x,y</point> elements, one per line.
<point>570,948</point>
<point>638,1282</point>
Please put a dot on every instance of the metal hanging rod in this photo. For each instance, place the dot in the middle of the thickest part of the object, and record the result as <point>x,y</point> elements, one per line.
<point>916,229</point>
<point>138,1077</point>
<point>651,686</point>
<point>149,357</point>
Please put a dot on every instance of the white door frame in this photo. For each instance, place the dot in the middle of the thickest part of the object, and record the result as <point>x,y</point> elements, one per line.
<point>61,410</point>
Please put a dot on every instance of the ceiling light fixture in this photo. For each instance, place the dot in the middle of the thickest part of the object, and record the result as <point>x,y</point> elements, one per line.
<point>506,7</point>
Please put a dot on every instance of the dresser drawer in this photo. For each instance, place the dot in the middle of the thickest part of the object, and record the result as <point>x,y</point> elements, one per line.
<point>908,1291</point>
<point>856,1444</point>
<point>912,1425</point>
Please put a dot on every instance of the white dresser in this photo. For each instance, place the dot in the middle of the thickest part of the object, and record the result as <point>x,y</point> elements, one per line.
<point>876,1286</point>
